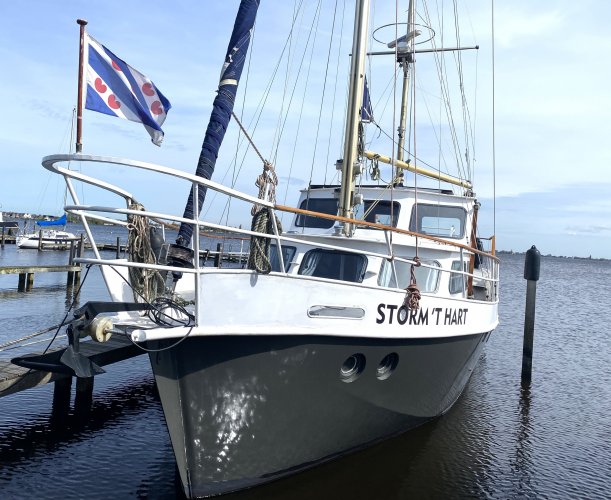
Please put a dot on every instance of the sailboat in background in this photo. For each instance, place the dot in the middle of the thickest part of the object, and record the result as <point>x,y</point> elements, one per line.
<point>48,238</point>
<point>364,318</point>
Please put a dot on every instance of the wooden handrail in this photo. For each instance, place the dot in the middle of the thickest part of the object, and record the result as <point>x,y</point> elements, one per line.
<point>357,222</point>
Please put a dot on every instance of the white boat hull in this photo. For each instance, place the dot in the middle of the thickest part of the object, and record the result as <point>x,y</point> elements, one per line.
<point>50,240</point>
<point>262,387</point>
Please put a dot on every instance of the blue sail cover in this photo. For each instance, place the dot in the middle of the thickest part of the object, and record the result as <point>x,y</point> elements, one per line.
<point>222,108</point>
<point>57,222</point>
<point>366,108</point>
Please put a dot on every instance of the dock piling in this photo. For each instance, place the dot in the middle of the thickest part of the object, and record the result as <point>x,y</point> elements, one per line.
<point>70,274</point>
<point>61,392</point>
<point>532,265</point>
<point>21,285</point>
<point>79,254</point>
<point>218,259</point>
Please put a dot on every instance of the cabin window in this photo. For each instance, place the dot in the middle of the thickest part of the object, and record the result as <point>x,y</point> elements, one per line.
<point>426,277</point>
<point>379,211</point>
<point>334,265</point>
<point>287,256</point>
<point>324,205</point>
<point>457,281</point>
<point>438,220</point>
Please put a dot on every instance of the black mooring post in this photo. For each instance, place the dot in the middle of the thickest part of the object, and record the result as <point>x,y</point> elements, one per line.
<point>218,259</point>
<point>532,266</point>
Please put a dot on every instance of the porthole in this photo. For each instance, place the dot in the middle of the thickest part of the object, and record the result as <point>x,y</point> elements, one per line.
<point>387,366</point>
<point>352,368</point>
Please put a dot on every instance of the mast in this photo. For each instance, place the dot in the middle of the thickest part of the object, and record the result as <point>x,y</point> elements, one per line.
<point>355,97</point>
<point>221,110</point>
<point>405,57</point>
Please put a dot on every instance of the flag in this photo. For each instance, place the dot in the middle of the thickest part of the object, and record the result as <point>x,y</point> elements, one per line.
<point>366,109</point>
<point>117,89</point>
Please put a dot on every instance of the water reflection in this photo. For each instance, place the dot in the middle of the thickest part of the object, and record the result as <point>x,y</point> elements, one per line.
<point>22,439</point>
<point>497,441</point>
<point>522,463</point>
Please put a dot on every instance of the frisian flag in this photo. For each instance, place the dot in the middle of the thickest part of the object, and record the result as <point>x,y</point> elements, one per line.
<point>117,89</point>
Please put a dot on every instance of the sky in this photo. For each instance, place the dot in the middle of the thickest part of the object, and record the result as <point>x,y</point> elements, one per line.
<point>552,106</point>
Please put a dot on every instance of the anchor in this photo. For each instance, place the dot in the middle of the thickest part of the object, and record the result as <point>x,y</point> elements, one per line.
<point>86,322</point>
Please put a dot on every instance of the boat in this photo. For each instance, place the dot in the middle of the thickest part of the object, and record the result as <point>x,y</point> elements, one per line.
<point>361,319</point>
<point>7,224</point>
<point>48,239</point>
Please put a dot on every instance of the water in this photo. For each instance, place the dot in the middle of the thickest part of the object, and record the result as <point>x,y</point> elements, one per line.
<point>498,441</point>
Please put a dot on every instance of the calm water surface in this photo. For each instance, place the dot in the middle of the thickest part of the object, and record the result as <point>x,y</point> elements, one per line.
<point>498,441</point>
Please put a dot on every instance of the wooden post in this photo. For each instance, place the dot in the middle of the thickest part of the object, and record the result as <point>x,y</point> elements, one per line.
<point>118,255</point>
<point>79,254</point>
<point>219,255</point>
<point>21,285</point>
<point>70,277</point>
<point>84,395</point>
<point>2,237</point>
<point>30,281</point>
<point>532,265</point>
<point>61,390</point>
<point>61,402</point>
<point>40,239</point>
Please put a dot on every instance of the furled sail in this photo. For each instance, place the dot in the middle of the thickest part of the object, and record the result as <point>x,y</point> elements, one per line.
<point>222,108</point>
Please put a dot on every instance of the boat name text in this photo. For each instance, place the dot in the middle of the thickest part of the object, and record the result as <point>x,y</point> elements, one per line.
<point>434,316</point>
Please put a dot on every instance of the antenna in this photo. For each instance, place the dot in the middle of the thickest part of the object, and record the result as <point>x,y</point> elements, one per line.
<point>402,41</point>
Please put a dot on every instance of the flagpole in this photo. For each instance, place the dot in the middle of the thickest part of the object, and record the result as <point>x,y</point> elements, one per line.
<point>79,104</point>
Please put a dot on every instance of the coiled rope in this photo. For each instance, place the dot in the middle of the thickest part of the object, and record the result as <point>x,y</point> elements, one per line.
<point>263,217</point>
<point>263,221</point>
<point>412,293</point>
<point>148,283</point>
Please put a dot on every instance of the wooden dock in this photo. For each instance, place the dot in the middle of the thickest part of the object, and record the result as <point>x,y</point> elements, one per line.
<point>15,378</point>
<point>26,274</point>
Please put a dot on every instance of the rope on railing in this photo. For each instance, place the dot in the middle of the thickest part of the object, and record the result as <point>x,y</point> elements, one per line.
<point>146,283</point>
<point>259,258</point>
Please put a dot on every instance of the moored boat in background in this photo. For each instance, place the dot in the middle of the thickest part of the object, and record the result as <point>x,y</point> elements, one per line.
<point>48,239</point>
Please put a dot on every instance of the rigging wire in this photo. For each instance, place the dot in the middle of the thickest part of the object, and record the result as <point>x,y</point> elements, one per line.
<point>258,112</point>
<point>324,89</point>
<point>445,95</point>
<point>315,22</point>
<point>339,50</point>
<point>277,131</point>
